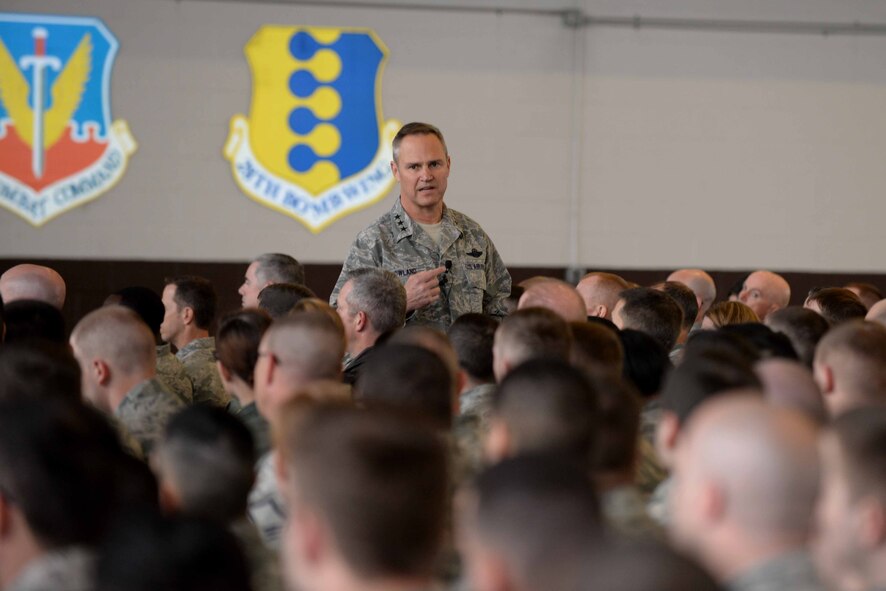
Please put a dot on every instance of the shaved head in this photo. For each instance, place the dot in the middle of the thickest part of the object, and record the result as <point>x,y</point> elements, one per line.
<point>555,295</point>
<point>877,313</point>
<point>701,284</point>
<point>746,481</point>
<point>308,343</point>
<point>116,335</point>
<point>600,293</point>
<point>114,348</point>
<point>765,292</point>
<point>295,352</point>
<point>33,282</point>
<point>850,366</point>
<point>789,384</point>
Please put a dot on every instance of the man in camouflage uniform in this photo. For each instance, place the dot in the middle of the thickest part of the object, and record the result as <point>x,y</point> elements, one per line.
<point>148,305</point>
<point>190,307</point>
<point>448,264</point>
<point>115,351</point>
<point>295,353</point>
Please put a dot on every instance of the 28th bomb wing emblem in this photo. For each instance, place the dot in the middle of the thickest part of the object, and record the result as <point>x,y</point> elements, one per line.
<point>315,146</point>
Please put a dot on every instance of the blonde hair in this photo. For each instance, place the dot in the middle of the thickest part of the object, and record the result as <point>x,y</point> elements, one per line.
<point>726,313</point>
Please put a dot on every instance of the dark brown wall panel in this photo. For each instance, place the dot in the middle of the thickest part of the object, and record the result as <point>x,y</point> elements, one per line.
<point>90,281</point>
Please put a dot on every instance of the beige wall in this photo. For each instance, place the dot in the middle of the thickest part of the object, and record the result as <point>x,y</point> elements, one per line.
<point>724,150</point>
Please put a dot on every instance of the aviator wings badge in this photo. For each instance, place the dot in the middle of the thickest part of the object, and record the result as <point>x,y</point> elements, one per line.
<point>315,146</point>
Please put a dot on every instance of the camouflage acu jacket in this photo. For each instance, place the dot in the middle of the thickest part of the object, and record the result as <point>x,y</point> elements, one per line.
<point>172,374</point>
<point>198,359</point>
<point>145,411</point>
<point>477,280</point>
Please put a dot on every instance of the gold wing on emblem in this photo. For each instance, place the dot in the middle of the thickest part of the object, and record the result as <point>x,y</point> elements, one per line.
<point>14,91</point>
<point>67,92</point>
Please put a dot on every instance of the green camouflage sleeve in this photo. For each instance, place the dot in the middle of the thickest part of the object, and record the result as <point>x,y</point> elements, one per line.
<point>498,284</point>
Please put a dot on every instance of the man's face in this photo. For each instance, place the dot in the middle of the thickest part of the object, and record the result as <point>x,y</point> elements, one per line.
<point>836,546</point>
<point>756,294</point>
<point>422,169</point>
<point>251,287</point>
<point>172,324</point>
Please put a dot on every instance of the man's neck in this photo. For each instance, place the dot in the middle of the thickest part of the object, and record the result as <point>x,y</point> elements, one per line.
<point>123,385</point>
<point>360,343</point>
<point>189,335</point>
<point>423,215</point>
<point>736,554</point>
<point>16,555</point>
<point>346,580</point>
<point>241,390</point>
<point>472,382</point>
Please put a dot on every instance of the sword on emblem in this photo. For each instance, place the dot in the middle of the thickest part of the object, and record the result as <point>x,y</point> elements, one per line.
<point>38,63</point>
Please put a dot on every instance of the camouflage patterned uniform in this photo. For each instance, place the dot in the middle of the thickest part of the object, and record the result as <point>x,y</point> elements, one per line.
<point>793,570</point>
<point>145,411</point>
<point>471,425</point>
<point>266,508</point>
<point>172,374</point>
<point>198,360</point>
<point>624,508</point>
<point>68,569</point>
<point>477,282</point>
<point>258,426</point>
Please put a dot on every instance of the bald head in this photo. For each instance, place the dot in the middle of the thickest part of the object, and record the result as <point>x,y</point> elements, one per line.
<point>850,366</point>
<point>877,313</point>
<point>33,282</point>
<point>746,482</point>
<point>789,384</point>
<point>600,293</point>
<point>557,296</point>
<point>701,284</point>
<point>765,292</point>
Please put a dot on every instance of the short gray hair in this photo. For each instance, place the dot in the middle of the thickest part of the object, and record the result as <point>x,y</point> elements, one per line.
<point>279,268</point>
<point>380,295</point>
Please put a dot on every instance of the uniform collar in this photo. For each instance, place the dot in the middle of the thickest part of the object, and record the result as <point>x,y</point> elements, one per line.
<point>404,226</point>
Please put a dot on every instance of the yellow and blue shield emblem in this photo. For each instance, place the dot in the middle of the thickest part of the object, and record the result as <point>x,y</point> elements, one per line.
<point>59,147</point>
<point>316,146</point>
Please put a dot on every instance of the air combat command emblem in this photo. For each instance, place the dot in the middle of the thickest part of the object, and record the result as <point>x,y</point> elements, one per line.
<point>58,145</point>
<point>315,146</point>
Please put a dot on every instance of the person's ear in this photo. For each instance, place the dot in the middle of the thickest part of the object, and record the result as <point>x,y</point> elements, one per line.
<point>824,375</point>
<point>170,502</point>
<point>461,383</point>
<point>498,443</point>
<point>395,171</point>
<point>666,433</point>
<point>361,321</point>
<point>600,311</point>
<point>187,315</point>
<point>101,371</point>
<point>712,502</point>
